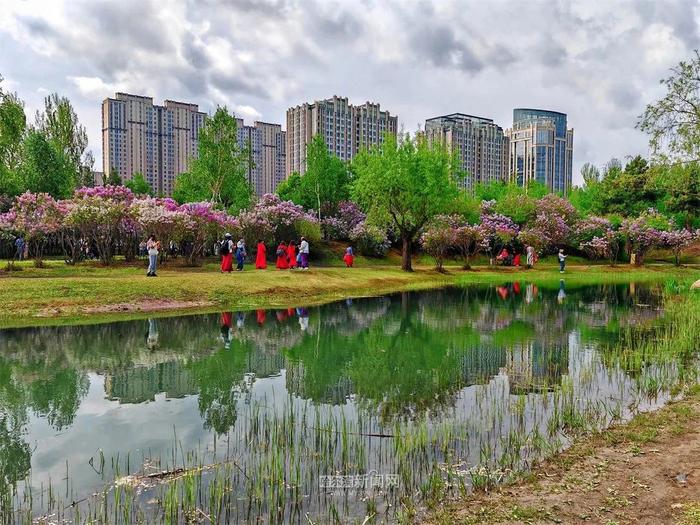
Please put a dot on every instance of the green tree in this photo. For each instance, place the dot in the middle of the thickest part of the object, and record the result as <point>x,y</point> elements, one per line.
<point>113,178</point>
<point>627,191</point>
<point>13,123</point>
<point>138,185</point>
<point>290,188</point>
<point>680,184</point>
<point>218,174</point>
<point>325,183</point>
<point>673,123</point>
<point>590,174</point>
<point>404,185</point>
<point>44,168</point>
<point>86,178</point>
<point>327,178</point>
<point>60,124</point>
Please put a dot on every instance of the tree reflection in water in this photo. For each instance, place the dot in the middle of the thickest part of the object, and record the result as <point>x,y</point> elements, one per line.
<point>397,358</point>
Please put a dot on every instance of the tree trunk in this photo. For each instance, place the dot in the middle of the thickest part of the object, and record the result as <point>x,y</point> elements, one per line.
<point>406,254</point>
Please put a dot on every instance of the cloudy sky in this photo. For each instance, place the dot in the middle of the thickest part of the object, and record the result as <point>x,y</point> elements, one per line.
<point>598,61</point>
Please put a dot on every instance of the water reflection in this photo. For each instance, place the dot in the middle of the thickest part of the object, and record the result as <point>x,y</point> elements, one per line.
<point>390,359</point>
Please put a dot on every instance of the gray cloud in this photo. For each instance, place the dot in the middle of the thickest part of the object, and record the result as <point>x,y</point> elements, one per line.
<point>599,60</point>
<point>437,44</point>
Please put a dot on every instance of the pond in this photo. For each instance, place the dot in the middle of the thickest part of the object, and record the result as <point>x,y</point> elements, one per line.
<point>365,407</point>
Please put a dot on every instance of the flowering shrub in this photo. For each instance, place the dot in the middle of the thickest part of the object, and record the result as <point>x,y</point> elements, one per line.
<point>437,240</point>
<point>274,220</point>
<point>101,215</point>
<point>645,233</point>
<point>202,226</point>
<point>370,240</point>
<point>36,216</point>
<point>468,239</point>
<point>587,229</point>
<point>497,231</point>
<point>596,248</point>
<point>677,241</point>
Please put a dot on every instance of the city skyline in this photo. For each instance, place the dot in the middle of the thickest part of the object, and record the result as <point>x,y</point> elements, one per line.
<point>598,62</point>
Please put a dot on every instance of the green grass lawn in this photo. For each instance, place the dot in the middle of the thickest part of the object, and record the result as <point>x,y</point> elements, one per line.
<point>85,293</point>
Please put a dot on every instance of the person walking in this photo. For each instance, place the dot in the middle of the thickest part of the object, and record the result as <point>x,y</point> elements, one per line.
<point>226,252</point>
<point>291,255</point>
<point>282,256</point>
<point>304,252</point>
<point>261,256</point>
<point>349,257</point>
<point>240,255</point>
<point>562,260</point>
<point>152,246</point>
<point>19,248</point>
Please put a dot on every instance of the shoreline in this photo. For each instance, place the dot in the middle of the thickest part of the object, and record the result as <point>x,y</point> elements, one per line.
<point>644,470</point>
<point>62,295</point>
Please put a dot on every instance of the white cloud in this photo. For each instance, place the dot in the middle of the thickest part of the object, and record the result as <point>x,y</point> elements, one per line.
<point>599,61</point>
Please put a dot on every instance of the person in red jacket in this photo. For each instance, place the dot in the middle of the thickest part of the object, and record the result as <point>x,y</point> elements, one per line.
<point>261,256</point>
<point>292,252</point>
<point>282,257</point>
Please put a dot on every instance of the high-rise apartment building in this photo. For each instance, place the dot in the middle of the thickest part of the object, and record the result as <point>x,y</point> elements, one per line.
<point>345,128</point>
<point>157,141</point>
<point>267,161</point>
<point>479,143</point>
<point>541,149</point>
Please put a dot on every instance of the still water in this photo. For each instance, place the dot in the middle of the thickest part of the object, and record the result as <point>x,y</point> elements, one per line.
<point>241,416</point>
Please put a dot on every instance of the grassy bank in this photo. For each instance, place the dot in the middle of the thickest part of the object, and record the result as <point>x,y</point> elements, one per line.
<point>638,472</point>
<point>88,293</point>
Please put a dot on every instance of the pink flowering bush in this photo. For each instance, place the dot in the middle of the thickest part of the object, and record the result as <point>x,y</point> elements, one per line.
<point>677,241</point>
<point>370,240</point>
<point>36,216</point>
<point>590,227</point>
<point>553,225</point>
<point>497,232</point>
<point>203,225</point>
<point>101,215</point>
<point>596,248</point>
<point>437,239</point>
<point>339,226</point>
<point>468,240</point>
<point>645,233</point>
<point>152,216</point>
<point>275,220</point>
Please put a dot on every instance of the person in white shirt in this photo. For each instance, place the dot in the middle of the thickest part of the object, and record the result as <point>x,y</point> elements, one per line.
<point>562,260</point>
<point>152,246</point>
<point>304,252</point>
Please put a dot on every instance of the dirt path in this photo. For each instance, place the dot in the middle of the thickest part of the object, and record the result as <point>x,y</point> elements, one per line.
<point>644,472</point>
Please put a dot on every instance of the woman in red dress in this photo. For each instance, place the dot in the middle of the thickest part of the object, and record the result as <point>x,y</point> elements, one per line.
<point>226,250</point>
<point>349,257</point>
<point>292,251</point>
<point>282,257</point>
<point>261,256</point>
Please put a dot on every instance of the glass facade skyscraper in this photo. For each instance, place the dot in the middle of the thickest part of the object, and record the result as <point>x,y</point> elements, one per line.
<point>541,149</point>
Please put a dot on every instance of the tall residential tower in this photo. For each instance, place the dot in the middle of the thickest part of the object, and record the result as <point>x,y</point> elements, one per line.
<point>479,143</point>
<point>157,141</point>
<point>541,149</point>
<point>345,128</point>
<point>267,164</point>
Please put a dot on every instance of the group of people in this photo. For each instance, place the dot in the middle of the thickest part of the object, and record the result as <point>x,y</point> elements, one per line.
<point>505,258</point>
<point>288,256</point>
